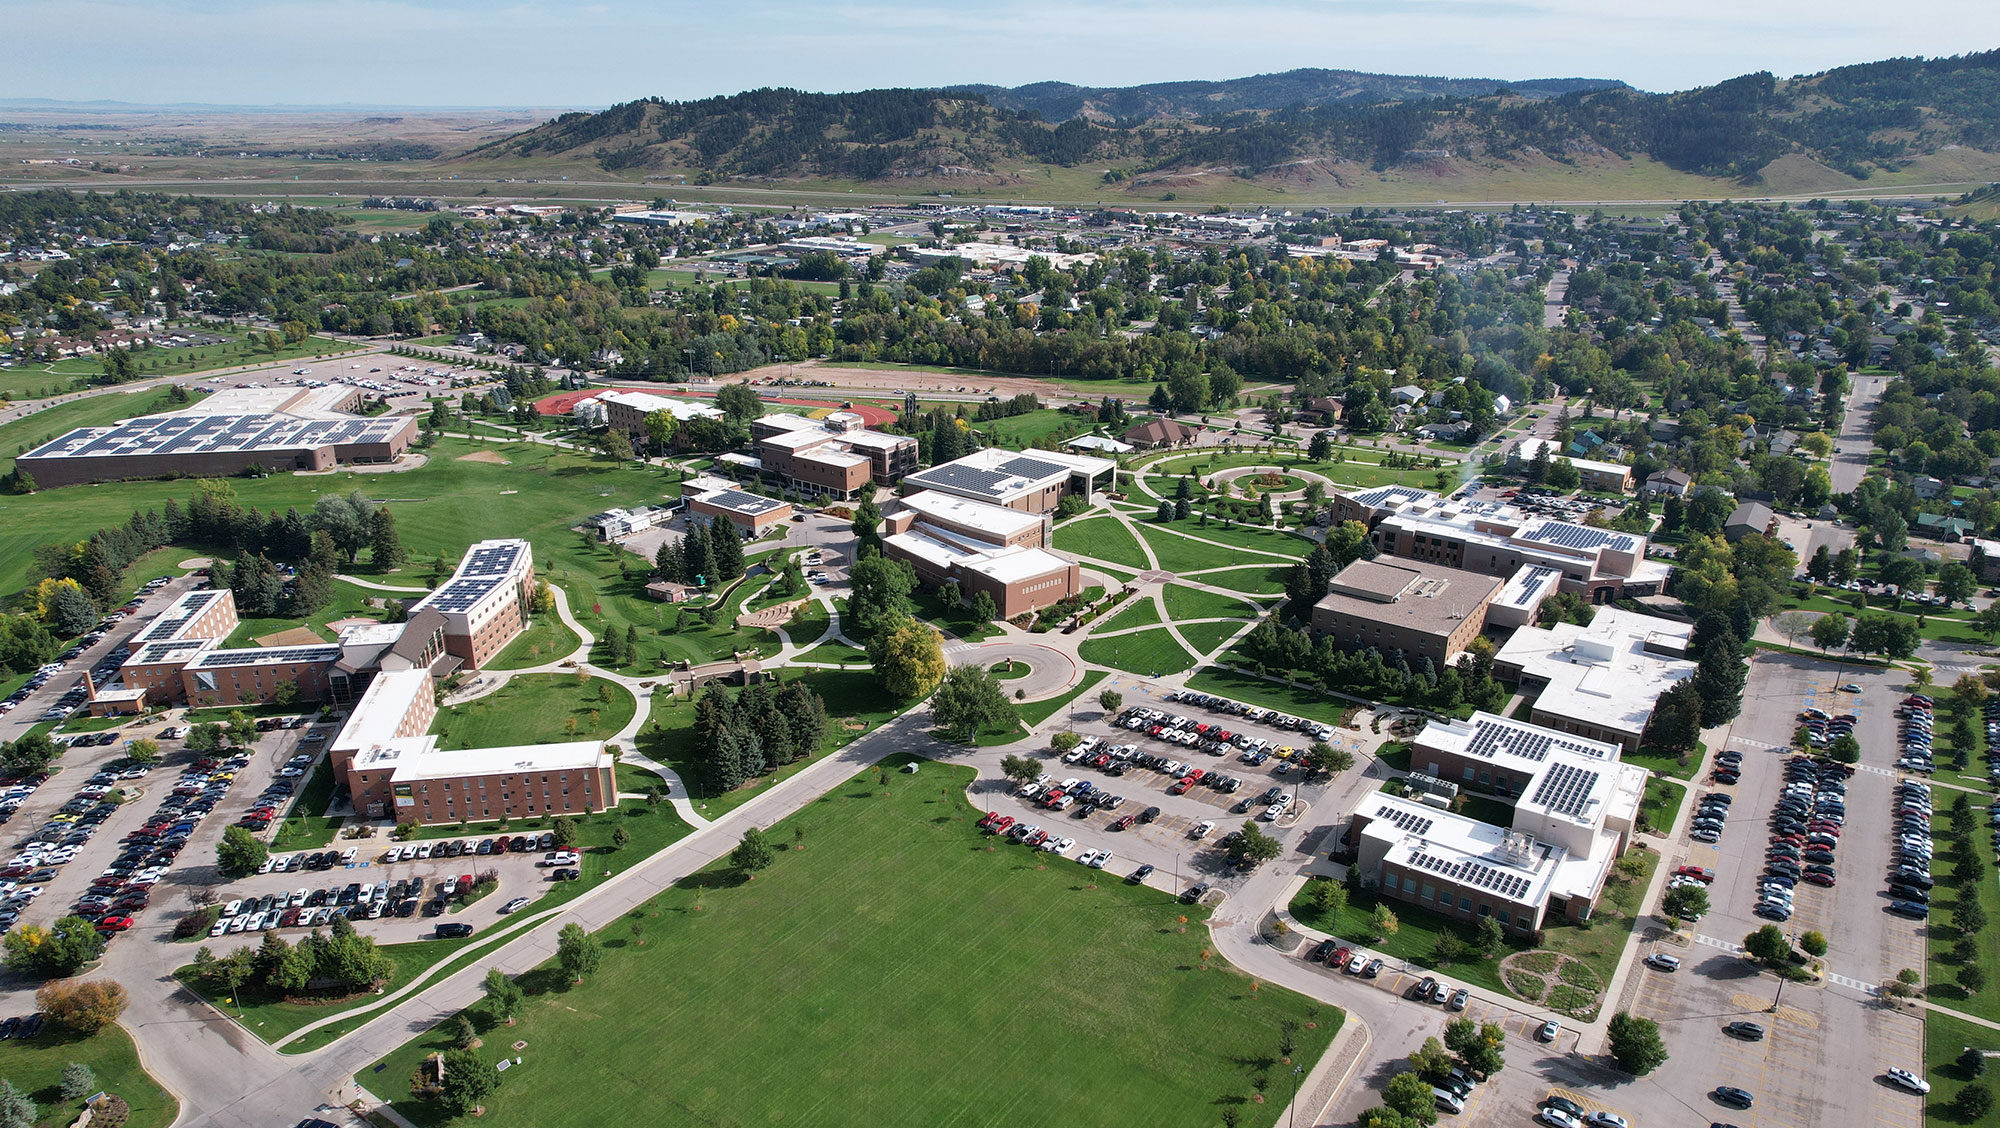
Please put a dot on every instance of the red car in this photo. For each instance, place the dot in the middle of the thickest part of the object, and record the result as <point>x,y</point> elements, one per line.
<point>1036,839</point>
<point>1001,824</point>
<point>465,882</point>
<point>1195,775</point>
<point>114,924</point>
<point>1125,823</point>
<point>1339,957</point>
<point>1700,873</point>
<point>1180,787</point>
<point>988,820</point>
<point>1818,877</point>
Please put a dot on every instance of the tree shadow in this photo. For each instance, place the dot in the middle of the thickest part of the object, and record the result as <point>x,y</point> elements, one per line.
<point>543,981</point>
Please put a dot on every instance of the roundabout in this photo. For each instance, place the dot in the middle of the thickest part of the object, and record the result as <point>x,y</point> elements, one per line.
<point>1049,671</point>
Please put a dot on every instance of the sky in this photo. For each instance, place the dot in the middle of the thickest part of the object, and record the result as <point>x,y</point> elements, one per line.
<point>557,53</point>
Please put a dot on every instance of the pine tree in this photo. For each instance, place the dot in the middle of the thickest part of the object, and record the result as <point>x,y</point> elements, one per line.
<point>701,563</point>
<point>384,542</point>
<point>728,549</point>
<point>671,562</point>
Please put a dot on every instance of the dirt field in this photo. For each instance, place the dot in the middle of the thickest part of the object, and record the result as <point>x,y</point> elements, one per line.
<point>297,636</point>
<point>482,456</point>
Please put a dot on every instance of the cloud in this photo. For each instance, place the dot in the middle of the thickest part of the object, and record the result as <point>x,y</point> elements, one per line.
<point>546,53</point>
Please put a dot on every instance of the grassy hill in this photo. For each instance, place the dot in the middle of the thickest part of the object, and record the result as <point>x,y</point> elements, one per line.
<point>1334,130</point>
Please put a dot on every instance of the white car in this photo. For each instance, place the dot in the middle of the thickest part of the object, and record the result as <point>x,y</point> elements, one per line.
<point>1060,847</point>
<point>220,927</point>
<point>1910,1081</point>
<point>1102,859</point>
<point>1087,858</point>
<point>1663,962</point>
<point>424,850</point>
<point>1557,1118</point>
<point>515,905</point>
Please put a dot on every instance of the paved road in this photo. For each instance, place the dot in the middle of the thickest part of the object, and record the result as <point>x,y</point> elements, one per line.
<point>1857,438</point>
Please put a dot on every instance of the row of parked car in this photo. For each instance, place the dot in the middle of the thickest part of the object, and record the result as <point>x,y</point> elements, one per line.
<point>1917,721</point>
<point>104,672</point>
<point>1711,815</point>
<point>1316,729</point>
<point>1213,739</point>
<point>1910,872</point>
<point>57,842</point>
<point>1806,824</point>
<point>1034,837</point>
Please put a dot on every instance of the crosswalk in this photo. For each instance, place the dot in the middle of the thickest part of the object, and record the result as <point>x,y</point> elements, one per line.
<point>1734,947</point>
<point>1856,984</point>
<point>1714,942</point>
<point>1749,743</point>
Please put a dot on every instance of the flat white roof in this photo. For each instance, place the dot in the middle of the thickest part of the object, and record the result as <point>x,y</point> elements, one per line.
<point>1529,586</point>
<point>647,403</point>
<point>1004,565</point>
<point>996,519</point>
<point>1601,674</point>
<point>382,707</point>
<point>1516,744</point>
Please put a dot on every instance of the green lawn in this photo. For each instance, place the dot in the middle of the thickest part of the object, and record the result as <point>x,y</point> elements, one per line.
<point>1209,637</point>
<point>1186,603</point>
<point>546,640</point>
<point>650,829</point>
<point>1143,612</point>
<point>1942,965</point>
<point>1148,653</point>
<point>956,618</point>
<point>905,913</point>
<point>1654,760</point>
<point>1299,702</point>
<point>856,704</point>
<point>1021,431</point>
<point>1662,802</point>
<point>1101,538</point>
<point>1182,554</point>
<point>35,1067</point>
<point>834,652</point>
<point>95,411</point>
<point>350,601</point>
<point>536,709</point>
<point>307,827</point>
<point>1035,712</point>
<point>1253,580</point>
<point>1945,1038</point>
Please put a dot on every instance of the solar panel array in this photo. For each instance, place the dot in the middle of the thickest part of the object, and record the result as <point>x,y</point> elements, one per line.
<point>1565,789</point>
<point>1466,871</point>
<point>1033,467</point>
<point>495,558</point>
<point>275,656</point>
<point>179,615</point>
<point>460,594</point>
<point>742,502</point>
<point>1389,495</point>
<point>1536,581</point>
<point>1405,819</point>
<point>187,434</point>
<point>1494,736</point>
<point>964,478</point>
<point>1566,535</point>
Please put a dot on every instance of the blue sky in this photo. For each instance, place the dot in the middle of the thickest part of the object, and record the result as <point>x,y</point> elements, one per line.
<point>548,54</point>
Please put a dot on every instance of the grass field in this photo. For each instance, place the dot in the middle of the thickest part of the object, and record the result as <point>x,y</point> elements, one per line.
<point>1101,538</point>
<point>156,362</point>
<point>1035,712</point>
<point>536,709</point>
<point>1186,603</point>
<point>1942,965</point>
<point>1140,613</point>
<point>1662,802</point>
<point>856,704</point>
<point>1150,653</point>
<point>35,1067</point>
<point>1253,580</point>
<point>1945,1038</point>
<point>1183,555</point>
<point>906,913</point>
<point>1209,637</point>
<point>546,640</point>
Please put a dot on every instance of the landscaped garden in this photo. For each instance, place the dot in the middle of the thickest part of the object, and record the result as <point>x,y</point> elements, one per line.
<point>905,912</point>
<point>1149,653</point>
<point>1101,538</point>
<point>537,709</point>
<point>36,1069</point>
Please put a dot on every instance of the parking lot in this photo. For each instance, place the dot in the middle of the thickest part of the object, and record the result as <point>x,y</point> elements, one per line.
<point>1136,771</point>
<point>1827,1046</point>
<point>55,692</point>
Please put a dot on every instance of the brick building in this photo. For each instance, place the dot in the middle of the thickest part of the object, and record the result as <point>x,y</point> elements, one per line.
<point>836,457</point>
<point>485,603</point>
<point>980,547</point>
<point>1424,610</point>
<point>752,516</point>
<point>1030,481</point>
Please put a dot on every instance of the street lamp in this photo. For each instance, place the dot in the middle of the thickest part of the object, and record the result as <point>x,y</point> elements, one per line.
<point>1296,1070</point>
<point>1773,1009</point>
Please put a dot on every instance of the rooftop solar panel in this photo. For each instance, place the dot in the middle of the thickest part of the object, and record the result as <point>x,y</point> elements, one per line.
<point>1406,820</point>
<point>1566,789</point>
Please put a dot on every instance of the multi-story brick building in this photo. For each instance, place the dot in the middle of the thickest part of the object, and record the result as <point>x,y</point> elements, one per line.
<point>980,547</point>
<point>414,781</point>
<point>1031,481</point>
<point>485,603</point>
<point>1424,610</point>
<point>836,456</point>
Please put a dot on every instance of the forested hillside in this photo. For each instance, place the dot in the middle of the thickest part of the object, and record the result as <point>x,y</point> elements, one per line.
<point>1858,120</point>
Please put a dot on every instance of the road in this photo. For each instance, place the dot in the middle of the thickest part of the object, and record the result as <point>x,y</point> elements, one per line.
<point>1856,440</point>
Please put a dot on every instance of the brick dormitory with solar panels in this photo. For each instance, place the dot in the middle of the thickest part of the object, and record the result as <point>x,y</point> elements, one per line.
<point>386,677</point>
<point>230,432</point>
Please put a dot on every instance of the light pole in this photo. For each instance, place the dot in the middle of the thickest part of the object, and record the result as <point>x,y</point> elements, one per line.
<point>1296,1070</point>
<point>1781,977</point>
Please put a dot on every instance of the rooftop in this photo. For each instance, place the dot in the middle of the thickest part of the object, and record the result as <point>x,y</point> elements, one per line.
<point>1529,586</point>
<point>381,709</point>
<point>266,656</point>
<point>1512,867</point>
<point>204,434</point>
<point>645,403</point>
<point>1000,475</point>
<point>995,519</point>
<point>1609,674</point>
<point>736,501</point>
<point>1412,593</point>
<point>418,758</point>
<point>1514,743</point>
<point>183,611</point>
